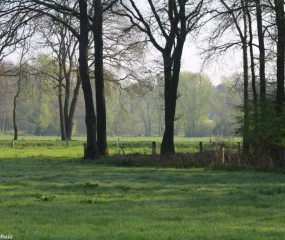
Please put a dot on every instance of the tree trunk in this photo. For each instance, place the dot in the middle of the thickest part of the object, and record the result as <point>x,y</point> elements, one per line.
<point>70,123</point>
<point>2,124</point>
<point>90,151</point>
<point>245,82</point>
<point>99,78</point>
<point>61,115</point>
<point>15,108</point>
<point>261,55</point>
<point>167,145</point>
<point>171,85</point>
<point>7,127</point>
<point>66,106</point>
<point>14,118</point>
<point>60,104</point>
<point>280,22</point>
<point>252,67</point>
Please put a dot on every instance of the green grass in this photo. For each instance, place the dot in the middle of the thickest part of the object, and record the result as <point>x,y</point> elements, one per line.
<point>127,145</point>
<point>51,193</point>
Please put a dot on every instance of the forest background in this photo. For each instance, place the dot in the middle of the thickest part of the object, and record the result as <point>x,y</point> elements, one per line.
<point>140,88</point>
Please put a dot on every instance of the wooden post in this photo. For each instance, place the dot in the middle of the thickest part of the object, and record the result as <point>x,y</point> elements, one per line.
<point>223,153</point>
<point>201,146</point>
<point>153,148</point>
<point>118,143</point>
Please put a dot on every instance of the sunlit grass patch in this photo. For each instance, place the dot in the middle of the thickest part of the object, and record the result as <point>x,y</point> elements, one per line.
<point>49,197</point>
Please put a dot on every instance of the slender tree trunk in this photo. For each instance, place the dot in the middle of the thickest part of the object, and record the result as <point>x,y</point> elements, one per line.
<point>66,106</point>
<point>99,78</point>
<point>73,103</point>
<point>90,118</point>
<point>252,67</point>
<point>61,113</point>
<point>280,22</point>
<point>245,83</point>
<point>15,125</point>
<point>60,102</point>
<point>14,116</point>
<point>6,125</point>
<point>261,55</point>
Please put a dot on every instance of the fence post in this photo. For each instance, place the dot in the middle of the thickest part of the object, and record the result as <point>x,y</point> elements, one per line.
<point>201,146</point>
<point>153,148</point>
<point>223,153</point>
<point>118,143</point>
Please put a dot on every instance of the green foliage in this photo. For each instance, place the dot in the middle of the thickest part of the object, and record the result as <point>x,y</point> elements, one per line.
<point>265,130</point>
<point>202,109</point>
<point>193,105</point>
<point>51,130</point>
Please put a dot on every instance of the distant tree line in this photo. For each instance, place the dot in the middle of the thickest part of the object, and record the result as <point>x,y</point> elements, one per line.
<point>132,110</point>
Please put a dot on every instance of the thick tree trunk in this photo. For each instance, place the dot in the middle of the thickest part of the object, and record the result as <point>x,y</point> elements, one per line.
<point>90,151</point>
<point>167,145</point>
<point>99,78</point>
<point>171,84</point>
<point>280,22</point>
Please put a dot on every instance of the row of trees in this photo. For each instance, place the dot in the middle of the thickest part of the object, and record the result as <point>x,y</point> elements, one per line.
<point>257,29</point>
<point>113,40</point>
<point>202,109</point>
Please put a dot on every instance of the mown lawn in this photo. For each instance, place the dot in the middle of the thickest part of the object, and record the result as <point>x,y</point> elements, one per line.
<point>51,193</point>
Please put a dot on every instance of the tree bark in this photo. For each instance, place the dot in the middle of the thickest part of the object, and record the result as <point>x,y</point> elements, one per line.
<point>167,145</point>
<point>252,66</point>
<point>61,115</point>
<point>14,116</point>
<point>15,125</point>
<point>90,151</point>
<point>60,103</point>
<point>99,78</point>
<point>261,54</point>
<point>172,66</point>
<point>280,22</point>
<point>72,108</point>
<point>245,83</point>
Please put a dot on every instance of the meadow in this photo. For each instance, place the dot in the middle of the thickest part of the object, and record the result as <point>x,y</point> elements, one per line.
<point>47,191</point>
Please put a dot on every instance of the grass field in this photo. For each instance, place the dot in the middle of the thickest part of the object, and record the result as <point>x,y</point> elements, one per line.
<point>127,145</point>
<point>47,191</point>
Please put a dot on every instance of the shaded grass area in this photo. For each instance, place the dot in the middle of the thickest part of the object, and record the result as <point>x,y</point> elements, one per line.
<point>48,197</point>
